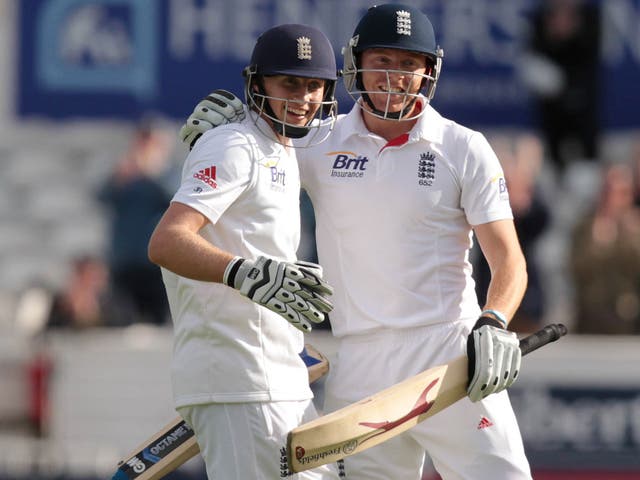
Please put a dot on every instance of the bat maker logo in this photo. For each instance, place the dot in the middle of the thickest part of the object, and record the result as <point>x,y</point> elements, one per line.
<point>426,169</point>
<point>160,449</point>
<point>348,164</point>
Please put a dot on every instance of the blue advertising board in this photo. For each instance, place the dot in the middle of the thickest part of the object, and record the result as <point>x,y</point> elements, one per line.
<point>124,58</point>
<point>586,428</point>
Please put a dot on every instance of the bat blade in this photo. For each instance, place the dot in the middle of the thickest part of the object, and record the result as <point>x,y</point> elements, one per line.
<point>377,418</point>
<point>175,444</point>
<point>160,454</point>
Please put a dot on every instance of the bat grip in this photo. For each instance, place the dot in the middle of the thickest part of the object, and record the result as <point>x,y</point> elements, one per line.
<point>548,334</point>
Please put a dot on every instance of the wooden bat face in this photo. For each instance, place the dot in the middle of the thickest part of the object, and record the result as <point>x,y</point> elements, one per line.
<point>390,412</point>
<point>377,418</point>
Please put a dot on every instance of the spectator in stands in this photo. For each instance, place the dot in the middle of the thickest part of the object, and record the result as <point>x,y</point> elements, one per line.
<point>605,259</point>
<point>635,165</point>
<point>522,159</point>
<point>137,195</point>
<point>86,299</point>
<point>562,68</point>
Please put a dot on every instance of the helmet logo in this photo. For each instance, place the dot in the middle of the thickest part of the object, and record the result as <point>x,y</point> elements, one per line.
<point>403,22</point>
<point>304,48</point>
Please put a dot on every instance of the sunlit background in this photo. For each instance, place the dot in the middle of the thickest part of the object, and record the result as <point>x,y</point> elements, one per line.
<point>92,94</point>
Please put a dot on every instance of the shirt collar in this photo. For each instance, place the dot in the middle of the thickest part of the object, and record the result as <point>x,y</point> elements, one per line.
<point>263,133</point>
<point>428,127</point>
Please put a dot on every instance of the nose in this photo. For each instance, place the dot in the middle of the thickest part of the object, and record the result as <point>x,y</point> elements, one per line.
<point>301,92</point>
<point>397,78</point>
<point>397,74</point>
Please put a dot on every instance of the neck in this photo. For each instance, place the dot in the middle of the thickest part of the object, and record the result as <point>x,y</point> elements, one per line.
<point>285,141</point>
<point>281,139</point>
<point>387,129</point>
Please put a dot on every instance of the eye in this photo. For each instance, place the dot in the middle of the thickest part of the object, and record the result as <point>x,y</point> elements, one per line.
<point>290,81</point>
<point>315,85</point>
<point>379,61</point>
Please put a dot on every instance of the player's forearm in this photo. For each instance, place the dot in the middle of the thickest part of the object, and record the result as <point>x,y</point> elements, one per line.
<point>188,254</point>
<point>508,284</point>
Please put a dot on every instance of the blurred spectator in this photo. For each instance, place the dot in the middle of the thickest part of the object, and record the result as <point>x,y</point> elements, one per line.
<point>605,259</point>
<point>86,300</point>
<point>137,196</point>
<point>521,159</point>
<point>561,67</point>
<point>635,165</point>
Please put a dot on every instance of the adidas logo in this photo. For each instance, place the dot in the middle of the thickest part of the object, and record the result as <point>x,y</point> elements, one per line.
<point>484,423</point>
<point>208,176</point>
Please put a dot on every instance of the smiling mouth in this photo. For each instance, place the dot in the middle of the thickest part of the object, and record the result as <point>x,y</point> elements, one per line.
<point>297,112</point>
<point>396,91</point>
<point>296,115</point>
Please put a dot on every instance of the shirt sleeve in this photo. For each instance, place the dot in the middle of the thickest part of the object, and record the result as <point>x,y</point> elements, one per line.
<point>216,172</point>
<point>484,190</point>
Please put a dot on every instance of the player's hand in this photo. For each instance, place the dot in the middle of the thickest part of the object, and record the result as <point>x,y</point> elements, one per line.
<point>217,108</point>
<point>295,291</point>
<point>494,358</point>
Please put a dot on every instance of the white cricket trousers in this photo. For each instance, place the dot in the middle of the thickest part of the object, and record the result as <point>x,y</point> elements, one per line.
<point>470,441</point>
<point>246,441</point>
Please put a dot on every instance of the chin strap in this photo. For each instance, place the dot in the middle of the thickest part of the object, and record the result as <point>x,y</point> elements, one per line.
<point>289,131</point>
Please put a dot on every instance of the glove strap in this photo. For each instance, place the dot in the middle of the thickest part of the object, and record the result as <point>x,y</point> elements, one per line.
<point>498,315</point>
<point>492,322</point>
<point>231,271</point>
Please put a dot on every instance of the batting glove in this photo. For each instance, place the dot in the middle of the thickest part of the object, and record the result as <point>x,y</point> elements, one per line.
<point>494,358</point>
<point>217,108</point>
<point>295,291</point>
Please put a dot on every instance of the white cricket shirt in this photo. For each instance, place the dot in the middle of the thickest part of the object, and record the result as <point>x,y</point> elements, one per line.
<point>227,348</point>
<point>393,220</point>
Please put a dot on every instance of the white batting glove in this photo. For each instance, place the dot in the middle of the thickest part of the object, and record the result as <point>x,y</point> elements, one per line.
<point>494,358</point>
<point>218,108</point>
<point>295,291</point>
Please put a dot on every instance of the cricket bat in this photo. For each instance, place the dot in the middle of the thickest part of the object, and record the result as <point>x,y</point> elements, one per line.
<point>172,446</point>
<point>390,412</point>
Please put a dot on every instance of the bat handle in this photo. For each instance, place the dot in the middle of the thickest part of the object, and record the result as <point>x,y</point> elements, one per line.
<point>548,334</point>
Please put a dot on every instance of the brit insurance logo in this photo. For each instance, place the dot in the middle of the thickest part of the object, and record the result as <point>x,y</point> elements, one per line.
<point>348,164</point>
<point>426,169</point>
<point>501,184</point>
<point>278,176</point>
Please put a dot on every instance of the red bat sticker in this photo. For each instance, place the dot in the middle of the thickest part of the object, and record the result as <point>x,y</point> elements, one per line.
<point>421,406</point>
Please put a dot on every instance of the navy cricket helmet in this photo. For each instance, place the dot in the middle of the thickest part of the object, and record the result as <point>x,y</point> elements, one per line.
<point>394,26</point>
<point>295,50</point>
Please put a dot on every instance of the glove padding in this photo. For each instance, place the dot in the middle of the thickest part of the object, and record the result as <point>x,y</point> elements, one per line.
<point>295,291</point>
<point>218,108</point>
<point>494,358</point>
